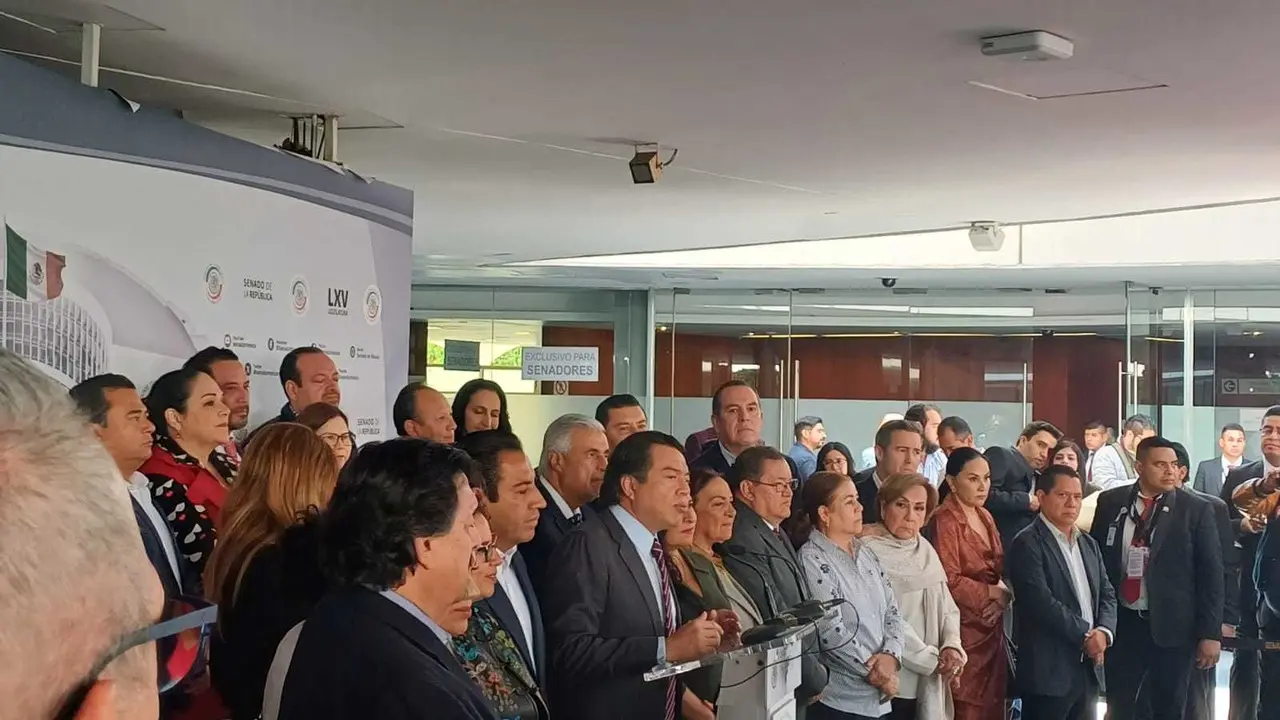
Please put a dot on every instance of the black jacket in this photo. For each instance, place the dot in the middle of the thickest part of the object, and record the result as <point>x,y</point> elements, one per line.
<point>499,605</point>
<point>865,483</point>
<point>603,627</point>
<point>187,582</point>
<point>552,527</point>
<point>773,560</point>
<point>1184,576</point>
<point>1247,545</point>
<point>280,587</point>
<point>712,458</point>
<point>361,656</point>
<point>1049,625</point>
<point>1012,482</point>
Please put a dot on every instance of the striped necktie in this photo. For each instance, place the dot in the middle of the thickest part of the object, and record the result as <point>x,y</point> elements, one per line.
<point>668,618</point>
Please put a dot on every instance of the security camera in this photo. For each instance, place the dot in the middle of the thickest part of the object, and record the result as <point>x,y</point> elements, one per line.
<point>1155,291</point>
<point>888,282</point>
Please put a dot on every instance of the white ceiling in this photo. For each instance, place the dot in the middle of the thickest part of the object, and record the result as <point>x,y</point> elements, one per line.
<point>795,120</point>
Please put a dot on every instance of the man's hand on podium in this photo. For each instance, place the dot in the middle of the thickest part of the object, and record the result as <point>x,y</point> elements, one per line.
<point>730,626</point>
<point>695,639</point>
<point>693,707</point>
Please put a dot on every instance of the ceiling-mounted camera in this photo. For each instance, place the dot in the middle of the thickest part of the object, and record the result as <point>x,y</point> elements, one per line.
<point>888,282</point>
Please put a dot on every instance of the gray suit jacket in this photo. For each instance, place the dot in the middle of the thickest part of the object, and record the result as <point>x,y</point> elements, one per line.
<point>1209,476</point>
<point>774,560</point>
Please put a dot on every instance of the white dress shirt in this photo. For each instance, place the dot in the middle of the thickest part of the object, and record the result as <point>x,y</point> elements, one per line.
<point>934,467</point>
<point>511,586</point>
<point>1070,547</point>
<point>140,489</point>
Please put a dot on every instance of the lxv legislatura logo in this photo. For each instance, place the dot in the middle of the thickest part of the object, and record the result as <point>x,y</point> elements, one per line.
<point>299,295</point>
<point>214,283</point>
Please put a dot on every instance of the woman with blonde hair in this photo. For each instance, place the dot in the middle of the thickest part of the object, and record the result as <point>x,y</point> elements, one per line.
<point>265,573</point>
<point>932,654</point>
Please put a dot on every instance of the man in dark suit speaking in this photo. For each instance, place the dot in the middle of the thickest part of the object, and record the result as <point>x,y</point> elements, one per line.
<point>1067,607</point>
<point>609,602</point>
<point>1161,547</point>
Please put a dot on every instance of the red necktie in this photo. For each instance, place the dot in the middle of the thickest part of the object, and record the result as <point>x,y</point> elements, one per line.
<point>1131,587</point>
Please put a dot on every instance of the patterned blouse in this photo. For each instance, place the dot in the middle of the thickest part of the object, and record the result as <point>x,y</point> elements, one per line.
<point>493,661</point>
<point>189,496</point>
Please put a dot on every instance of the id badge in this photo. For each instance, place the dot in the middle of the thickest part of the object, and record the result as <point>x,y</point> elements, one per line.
<point>1136,565</point>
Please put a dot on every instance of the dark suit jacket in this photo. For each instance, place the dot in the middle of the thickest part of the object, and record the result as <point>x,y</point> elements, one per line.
<point>1184,576</point>
<point>1012,482</point>
<point>603,625</point>
<point>362,656</point>
<point>1049,625</point>
<point>1230,559</point>
<point>776,560</point>
<point>188,582</point>
<point>865,483</point>
<point>1247,544</point>
<point>552,527</point>
<point>499,605</point>
<point>1209,477</point>
<point>712,458</point>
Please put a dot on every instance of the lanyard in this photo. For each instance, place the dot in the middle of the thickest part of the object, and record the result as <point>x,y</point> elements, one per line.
<point>1144,524</point>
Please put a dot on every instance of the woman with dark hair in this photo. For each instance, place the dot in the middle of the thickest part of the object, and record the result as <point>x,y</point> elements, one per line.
<point>1067,453</point>
<point>968,543</point>
<point>189,470</point>
<point>835,457</point>
<point>864,668</point>
<point>265,572</point>
<point>480,405</point>
<point>487,651</point>
<point>331,425</point>
<point>932,654</point>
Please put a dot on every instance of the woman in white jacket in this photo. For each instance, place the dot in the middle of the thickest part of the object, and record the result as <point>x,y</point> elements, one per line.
<point>932,655</point>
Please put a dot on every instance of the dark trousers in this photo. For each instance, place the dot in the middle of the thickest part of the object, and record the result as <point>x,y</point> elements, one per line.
<point>1244,663</point>
<point>1200,686</point>
<point>903,709</point>
<point>1135,664</point>
<point>818,711</point>
<point>1269,697</point>
<point>1079,703</point>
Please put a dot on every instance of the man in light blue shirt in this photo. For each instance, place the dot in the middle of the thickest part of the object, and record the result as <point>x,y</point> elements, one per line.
<point>810,437</point>
<point>929,417</point>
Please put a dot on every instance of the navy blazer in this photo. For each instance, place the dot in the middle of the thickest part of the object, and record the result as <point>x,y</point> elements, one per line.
<point>361,655</point>
<point>553,526</point>
<point>499,605</point>
<point>187,583</point>
<point>1049,625</point>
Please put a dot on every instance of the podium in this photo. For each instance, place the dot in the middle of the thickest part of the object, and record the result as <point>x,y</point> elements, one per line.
<point>768,673</point>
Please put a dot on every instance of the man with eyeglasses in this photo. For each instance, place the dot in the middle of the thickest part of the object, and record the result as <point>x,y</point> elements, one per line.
<point>763,486</point>
<point>77,594</point>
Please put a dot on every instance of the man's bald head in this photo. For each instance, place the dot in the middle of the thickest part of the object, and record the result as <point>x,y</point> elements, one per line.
<point>74,580</point>
<point>423,412</point>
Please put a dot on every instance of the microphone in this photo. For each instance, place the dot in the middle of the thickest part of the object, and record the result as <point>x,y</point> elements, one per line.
<point>738,551</point>
<point>801,587</point>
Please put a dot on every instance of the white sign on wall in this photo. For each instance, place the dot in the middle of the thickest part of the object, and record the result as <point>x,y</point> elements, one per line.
<point>461,355</point>
<point>570,364</point>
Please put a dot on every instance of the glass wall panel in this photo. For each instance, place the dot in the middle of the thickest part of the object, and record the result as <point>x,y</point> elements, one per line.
<point>995,358</point>
<point>501,322</point>
<point>1155,383</point>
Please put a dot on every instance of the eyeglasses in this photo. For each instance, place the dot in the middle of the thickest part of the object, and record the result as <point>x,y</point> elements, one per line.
<point>337,440</point>
<point>792,485</point>
<point>484,554</point>
<point>181,639</point>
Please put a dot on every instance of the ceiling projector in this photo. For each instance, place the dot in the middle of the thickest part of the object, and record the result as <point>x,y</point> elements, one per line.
<point>1033,45</point>
<point>986,237</point>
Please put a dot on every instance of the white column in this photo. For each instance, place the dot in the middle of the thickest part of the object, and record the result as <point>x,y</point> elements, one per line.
<point>90,51</point>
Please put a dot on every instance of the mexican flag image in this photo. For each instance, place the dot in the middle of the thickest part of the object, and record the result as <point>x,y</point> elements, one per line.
<point>30,272</point>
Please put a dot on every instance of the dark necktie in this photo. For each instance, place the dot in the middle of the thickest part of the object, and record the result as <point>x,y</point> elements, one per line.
<point>1131,587</point>
<point>576,519</point>
<point>668,619</point>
